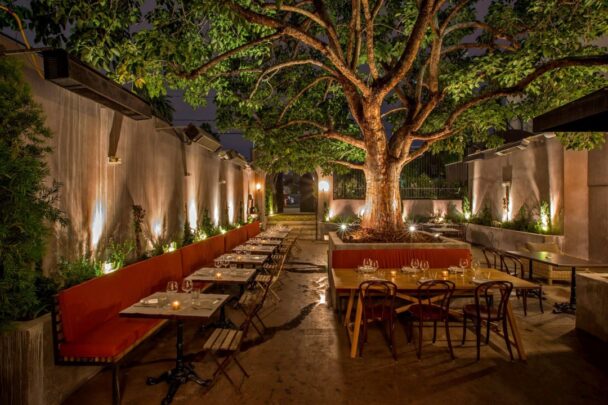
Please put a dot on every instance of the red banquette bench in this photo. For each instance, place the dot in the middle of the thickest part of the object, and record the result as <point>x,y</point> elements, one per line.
<point>86,327</point>
<point>396,258</point>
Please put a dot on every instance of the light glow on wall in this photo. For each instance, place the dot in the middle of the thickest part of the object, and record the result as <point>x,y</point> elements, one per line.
<point>216,215</point>
<point>324,186</point>
<point>230,213</point>
<point>157,228</point>
<point>258,186</point>
<point>97,224</point>
<point>192,214</point>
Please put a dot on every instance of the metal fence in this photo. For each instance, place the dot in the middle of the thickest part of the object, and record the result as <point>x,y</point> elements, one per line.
<point>424,178</point>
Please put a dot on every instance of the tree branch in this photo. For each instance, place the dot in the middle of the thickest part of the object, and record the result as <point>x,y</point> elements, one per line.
<point>301,93</point>
<point>336,136</point>
<point>201,70</point>
<point>369,39</point>
<point>474,45</point>
<point>350,165</point>
<point>596,60</point>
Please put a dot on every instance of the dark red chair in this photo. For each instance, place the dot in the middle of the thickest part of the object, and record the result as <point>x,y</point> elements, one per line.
<point>378,300</point>
<point>433,306</point>
<point>489,309</point>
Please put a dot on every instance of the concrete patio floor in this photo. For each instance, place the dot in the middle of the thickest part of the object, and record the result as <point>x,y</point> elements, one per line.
<point>304,359</point>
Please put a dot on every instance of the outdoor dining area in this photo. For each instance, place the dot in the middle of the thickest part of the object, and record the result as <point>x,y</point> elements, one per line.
<point>100,321</point>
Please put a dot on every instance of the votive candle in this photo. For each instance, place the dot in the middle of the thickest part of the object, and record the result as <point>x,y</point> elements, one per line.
<point>175,305</point>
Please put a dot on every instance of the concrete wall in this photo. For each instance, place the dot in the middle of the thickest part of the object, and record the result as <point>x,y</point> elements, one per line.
<point>598,203</point>
<point>535,174</point>
<point>168,178</point>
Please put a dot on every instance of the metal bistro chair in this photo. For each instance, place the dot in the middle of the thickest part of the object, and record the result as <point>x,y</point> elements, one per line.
<point>489,309</point>
<point>511,265</point>
<point>433,306</point>
<point>378,304</point>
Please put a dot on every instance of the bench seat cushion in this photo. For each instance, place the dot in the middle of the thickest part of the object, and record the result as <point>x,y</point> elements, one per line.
<point>110,339</point>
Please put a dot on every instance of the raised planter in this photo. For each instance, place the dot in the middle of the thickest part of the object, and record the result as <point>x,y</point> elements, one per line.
<point>507,239</point>
<point>592,304</point>
<point>341,254</point>
<point>28,366</point>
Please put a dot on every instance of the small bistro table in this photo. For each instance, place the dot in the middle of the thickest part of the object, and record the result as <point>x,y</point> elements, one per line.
<point>245,260</point>
<point>348,280</point>
<point>264,242</point>
<point>252,248</point>
<point>273,234</point>
<point>182,372</point>
<point>558,260</point>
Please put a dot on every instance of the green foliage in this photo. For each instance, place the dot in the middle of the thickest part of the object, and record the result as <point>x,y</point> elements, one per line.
<point>188,234</point>
<point>484,217</point>
<point>118,253</point>
<point>27,204</point>
<point>74,272</point>
<point>206,227</point>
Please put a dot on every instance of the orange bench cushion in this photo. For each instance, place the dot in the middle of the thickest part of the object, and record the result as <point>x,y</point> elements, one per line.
<point>86,306</point>
<point>109,339</point>
<point>396,258</point>
<point>201,254</point>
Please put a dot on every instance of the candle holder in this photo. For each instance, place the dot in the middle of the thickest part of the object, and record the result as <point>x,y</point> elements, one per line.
<point>218,274</point>
<point>393,273</point>
<point>176,305</point>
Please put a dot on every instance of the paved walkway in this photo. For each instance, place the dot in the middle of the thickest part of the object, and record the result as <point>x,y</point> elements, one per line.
<point>304,359</point>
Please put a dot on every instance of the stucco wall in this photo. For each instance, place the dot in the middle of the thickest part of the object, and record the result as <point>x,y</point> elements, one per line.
<point>535,175</point>
<point>166,177</point>
<point>598,203</point>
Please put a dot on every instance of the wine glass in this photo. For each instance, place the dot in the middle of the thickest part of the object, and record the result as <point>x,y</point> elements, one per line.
<point>424,266</point>
<point>415,263</point>
<point>475,267</point>
<point>187,285</point>
<point>217,263</point>
<point>172,287</point>
<point>463,263</point>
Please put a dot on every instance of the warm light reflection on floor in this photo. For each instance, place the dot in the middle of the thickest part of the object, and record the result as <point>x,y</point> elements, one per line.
<point>322,298</point>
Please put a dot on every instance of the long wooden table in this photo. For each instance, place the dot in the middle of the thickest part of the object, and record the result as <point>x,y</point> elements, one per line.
<point>348,280</point>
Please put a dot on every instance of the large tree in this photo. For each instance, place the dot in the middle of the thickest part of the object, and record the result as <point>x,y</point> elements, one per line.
<point>363,84</point>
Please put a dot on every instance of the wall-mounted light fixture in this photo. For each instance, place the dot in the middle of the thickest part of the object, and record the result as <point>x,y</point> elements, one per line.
<point>324,186</point>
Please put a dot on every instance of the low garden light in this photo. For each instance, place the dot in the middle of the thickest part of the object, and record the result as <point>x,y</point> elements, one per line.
<point>412,228</point>
<point>108,267</point>
<point>467,216</point>
<point>343,227</point>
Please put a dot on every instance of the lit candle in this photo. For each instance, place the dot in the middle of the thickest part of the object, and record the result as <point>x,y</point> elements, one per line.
<point>445,274</point>
<point>175,305</point>
<point>218,274</point>
<point>393,273</point>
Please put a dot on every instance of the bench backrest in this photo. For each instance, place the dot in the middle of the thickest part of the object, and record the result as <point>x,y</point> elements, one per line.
<point>396,258</point>
<point>235,237</point>
<point>253,229</point>
<point>202,253</point>
<point>95,301</point>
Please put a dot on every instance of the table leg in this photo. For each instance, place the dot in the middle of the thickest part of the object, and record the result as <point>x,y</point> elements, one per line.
<point>519,343</point>
<point>181,373</point>
<point>349,307</point>
<point>568,307</point>
<point>354,348</point>
<point>530,271</point>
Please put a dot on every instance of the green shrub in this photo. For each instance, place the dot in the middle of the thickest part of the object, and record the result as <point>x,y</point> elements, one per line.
<point>27,204</point>
<point>74,272</point>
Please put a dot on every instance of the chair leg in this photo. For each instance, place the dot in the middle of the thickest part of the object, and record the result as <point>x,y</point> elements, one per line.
<point>525,293</point>
<point>478,333</point>
<point>447,335</point>
<point>238,363</point>
<point>221,368</point>
<point>464,328</point>
<point>116,384</point>
<point>540,300</point>
<point>488,332</point>
<point>505,331</point>
<point>419,339</point>
<point>434,332</point>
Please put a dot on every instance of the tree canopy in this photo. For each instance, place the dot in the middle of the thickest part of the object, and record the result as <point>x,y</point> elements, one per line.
<point>291,73</point>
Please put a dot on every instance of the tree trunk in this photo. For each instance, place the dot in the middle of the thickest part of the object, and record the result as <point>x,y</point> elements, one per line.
<point>383,206</point>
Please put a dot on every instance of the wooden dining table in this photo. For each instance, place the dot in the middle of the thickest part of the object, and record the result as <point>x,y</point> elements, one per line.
<point>348,280</point>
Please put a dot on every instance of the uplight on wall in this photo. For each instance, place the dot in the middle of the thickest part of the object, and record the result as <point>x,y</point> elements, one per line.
<point>157,228</point>
<point>192,213</point>
<point>324,186</point>
<point>97,224</point>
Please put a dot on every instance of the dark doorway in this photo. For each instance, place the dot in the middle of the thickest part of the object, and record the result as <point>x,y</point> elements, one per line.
<point>296,193</point>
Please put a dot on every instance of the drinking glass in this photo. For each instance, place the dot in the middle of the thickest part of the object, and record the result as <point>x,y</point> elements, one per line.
<point>172,287</point>
<point>187,285</point>
<point>464,263</point>
<point>424,265</point>
<point>196,294</point>
<point>415,263</point>
<point>217,263</point>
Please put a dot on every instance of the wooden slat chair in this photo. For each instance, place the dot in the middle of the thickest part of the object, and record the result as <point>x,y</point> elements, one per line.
<point>253,301</point>
<point>512,265</point>
<point>271,279</point>
<point>227,342</point>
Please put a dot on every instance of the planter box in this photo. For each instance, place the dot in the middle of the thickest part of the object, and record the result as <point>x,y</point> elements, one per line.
<point>348,255</point>
<point>507,239</point>
<point>28,366</point>
<point>324,228</point>
<point>592,304</point>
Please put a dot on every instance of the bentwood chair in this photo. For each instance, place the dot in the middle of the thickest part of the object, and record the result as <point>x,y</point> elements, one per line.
<point>492,256</point>
<point>378,304</point>
<point>433,306</point>
<point>512,265</point>
<point>491,300</point>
